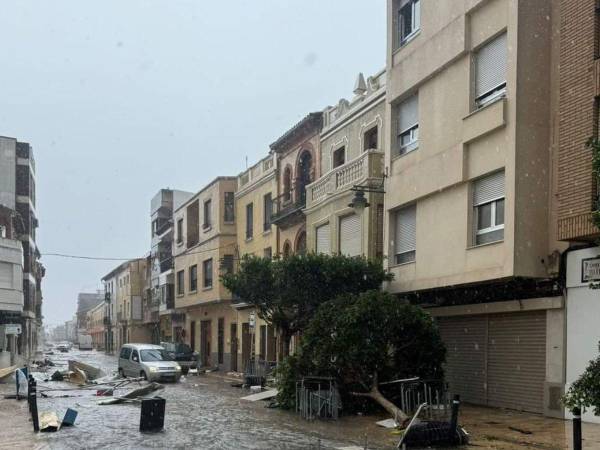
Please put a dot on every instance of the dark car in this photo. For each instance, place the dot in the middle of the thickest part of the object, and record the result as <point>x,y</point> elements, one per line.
<point>182,353</point>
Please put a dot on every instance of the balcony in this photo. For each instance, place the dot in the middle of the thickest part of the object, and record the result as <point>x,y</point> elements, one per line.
<point>287,208</point>
<point>367,167</point>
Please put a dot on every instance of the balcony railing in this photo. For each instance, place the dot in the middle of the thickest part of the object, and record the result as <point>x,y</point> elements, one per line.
<point>287,207</point>
<point>166,264</point>
<point>368,166</point>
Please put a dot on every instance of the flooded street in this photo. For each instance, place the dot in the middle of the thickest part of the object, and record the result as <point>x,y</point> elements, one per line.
<point>201,412</point>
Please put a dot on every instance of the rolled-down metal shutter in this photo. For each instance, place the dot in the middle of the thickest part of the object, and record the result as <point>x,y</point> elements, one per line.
<point>350,235</point>
<point>517,360</point>
<point>465,340</point>
<point>323,239</point>
<point>490,69</point>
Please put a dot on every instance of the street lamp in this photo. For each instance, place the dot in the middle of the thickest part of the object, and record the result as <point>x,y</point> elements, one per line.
<point>359,201</point>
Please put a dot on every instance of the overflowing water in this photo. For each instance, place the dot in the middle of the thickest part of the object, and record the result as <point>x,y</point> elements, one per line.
<point>201,412</point>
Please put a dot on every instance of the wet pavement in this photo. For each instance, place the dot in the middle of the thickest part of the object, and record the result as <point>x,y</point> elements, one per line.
<point>201,412</point>
<point>206,412</point>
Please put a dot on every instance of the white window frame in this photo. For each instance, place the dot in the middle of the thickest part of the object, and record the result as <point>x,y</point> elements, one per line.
<point>415,11</point>
<point>490,96</point>
<point>493,225</point>
<point>412,251</point>
<point>413,143</point>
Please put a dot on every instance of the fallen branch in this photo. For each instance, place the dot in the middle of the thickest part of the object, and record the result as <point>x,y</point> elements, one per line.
<point>376,395</point>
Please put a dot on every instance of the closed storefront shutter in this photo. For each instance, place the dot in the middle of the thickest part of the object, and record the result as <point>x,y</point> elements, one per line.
<point>350,235</point>
<point>498,359</point>
<point>465,339</point>
<point>323,239</point>
<point>517,360</point>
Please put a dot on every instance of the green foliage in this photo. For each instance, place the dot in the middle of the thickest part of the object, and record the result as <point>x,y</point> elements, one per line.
<point>287,292</point>
<point>585,391</point>
<point>359,338</point>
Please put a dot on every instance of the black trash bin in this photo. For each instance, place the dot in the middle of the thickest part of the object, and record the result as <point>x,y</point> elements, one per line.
<point>153,414</point>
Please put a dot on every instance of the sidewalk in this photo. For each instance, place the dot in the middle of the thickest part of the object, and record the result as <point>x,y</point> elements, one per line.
<point>17,429</point>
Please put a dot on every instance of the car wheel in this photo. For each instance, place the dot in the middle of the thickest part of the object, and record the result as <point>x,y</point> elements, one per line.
<point>184,370</point>
<point>121,373</point>
<point>143,375</point>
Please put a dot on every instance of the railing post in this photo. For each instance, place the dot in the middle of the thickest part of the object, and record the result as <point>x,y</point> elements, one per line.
<point>32,397</point>
<point>576,428</point>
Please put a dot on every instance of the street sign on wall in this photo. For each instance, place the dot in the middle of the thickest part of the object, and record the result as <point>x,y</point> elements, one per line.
<point>12,328</point>
<point>590,270</point>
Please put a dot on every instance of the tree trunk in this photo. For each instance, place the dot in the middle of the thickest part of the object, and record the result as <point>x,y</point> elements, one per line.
<point>284,345</point>
<point>398,415</point>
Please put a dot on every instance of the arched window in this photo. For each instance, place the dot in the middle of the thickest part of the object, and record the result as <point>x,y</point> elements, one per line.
<point>287,249</point>
<point>287,184</point>
<point>301,243</point>
<point>304,174</point>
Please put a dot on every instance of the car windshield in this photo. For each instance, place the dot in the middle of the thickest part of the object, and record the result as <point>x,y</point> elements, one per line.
<point>154,355</point>
<point>183,348</point>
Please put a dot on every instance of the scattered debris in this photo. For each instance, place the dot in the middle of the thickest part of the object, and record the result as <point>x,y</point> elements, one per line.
<point>108,392</point>
<point>57,376</point>
<point>520,430</point>
<point>49,421</point>
<point>152,415</point>
<point>387,423</point>
<point>69,419</point>
<point>7,371</point>
<point>260,396</point>
<point>133,395</point>
<point>256,388</point>
<point>91,372</point>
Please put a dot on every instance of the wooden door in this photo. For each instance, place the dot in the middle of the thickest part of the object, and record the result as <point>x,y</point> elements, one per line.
<point>205,343</point>
<point>193,335</point>
<point>234,347</point>
<point>246,345</point>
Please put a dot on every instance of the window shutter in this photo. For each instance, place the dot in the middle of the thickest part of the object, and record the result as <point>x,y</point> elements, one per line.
<point>6,275</point>
<point>489,188</point>
<point>350,235</point>
<point>408,113</point>
<point>406,229</point>
<point>491,65</point>
<point>323,239</point>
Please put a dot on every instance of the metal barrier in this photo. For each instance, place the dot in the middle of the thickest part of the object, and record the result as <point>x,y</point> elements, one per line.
<point>318,398</point>
<point>414,392</point>
<point>257,371</point>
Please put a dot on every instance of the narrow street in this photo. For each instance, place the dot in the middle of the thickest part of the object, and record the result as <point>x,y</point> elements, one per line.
<point>201,411</point>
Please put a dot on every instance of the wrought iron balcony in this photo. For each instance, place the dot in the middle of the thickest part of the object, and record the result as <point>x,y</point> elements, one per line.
<point>367,167</point>
<point>287,207</point>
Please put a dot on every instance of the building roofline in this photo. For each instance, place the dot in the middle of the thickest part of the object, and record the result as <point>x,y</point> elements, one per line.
<point>214,181</point>
<point>311,122</point>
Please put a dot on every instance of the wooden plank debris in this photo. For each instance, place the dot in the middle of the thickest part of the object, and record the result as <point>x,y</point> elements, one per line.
<point>261,396</point>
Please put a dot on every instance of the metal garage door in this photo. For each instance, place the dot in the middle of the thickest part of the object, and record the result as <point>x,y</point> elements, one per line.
<point>465,359</point>
<point>517,360</point>
<point>498,359</point>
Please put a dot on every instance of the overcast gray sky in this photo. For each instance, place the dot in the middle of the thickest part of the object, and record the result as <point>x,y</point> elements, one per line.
<point>122,98</point>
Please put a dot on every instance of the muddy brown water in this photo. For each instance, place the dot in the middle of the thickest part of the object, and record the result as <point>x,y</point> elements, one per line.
<point>201,412</point>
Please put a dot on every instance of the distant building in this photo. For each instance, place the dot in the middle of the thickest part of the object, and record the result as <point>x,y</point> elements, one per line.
<point>85,302</point>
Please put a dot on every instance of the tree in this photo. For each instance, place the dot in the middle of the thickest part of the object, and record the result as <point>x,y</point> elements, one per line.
<point>363,339</point>
<point>286,292</point>
<point>584,393</point>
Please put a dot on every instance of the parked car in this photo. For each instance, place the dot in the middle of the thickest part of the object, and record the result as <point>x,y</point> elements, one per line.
<point>182,353</point>
<point>64,348</point>
<point>150,362</point>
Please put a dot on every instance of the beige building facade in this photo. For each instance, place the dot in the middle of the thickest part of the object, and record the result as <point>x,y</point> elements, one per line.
<point>204,247</point>
<point>468,192</point>
<point>351,155</point>
<point>95,325</point>
<point>256,189</point>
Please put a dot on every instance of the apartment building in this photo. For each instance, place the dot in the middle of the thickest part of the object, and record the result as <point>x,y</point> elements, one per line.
<point>124,290</point>
<point>95,326</point>
<point>204,246</point>
<point>297,155</point>
<point>251,337</point>
<point>468,193</point>
<point>162,278</point>
<point>576,187</point>
<point>18,194</point>
<point>351,164</point>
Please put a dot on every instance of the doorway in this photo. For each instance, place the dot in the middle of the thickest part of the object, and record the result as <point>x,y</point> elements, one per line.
<point>246,345</point>
<point>234,347</point>
<point>205,343</point>
<point>193,335</point>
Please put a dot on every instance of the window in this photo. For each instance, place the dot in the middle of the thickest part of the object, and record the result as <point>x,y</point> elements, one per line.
<point>371,139</point>
<point>287,184</point>
<point>409,19</point>
<point>179,231</point>
<point>2,231</point>
<point>350,235</point>
<point>125,353</point>
<point>229,215</point>
<point>406,235</point>
<point>207,272</point>
<point>180,281</point>
<point>268,253</point>
<point>323,239</point>
<point>268,211</point>
<point>193,278</point>
<point>227,264</point>
<point>207,214</point>
<point>249,220</point>
<point>135,356</point>
<point>488,204</point>
<point>339,157</point>
<point>408,125</point>
<point>193,224</point>
<point>490,71</point>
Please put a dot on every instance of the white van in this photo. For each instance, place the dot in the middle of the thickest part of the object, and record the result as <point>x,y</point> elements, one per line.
<point>150,362</point>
